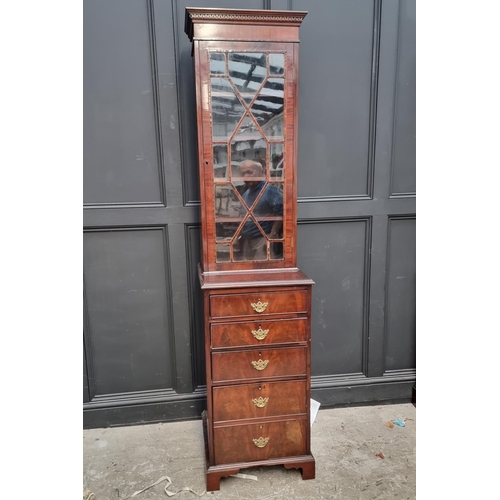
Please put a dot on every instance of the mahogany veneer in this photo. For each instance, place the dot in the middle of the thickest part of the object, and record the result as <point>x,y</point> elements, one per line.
<point>243,365</point>
<point>259,400</point>
<point>257,304</point>
<point>285,438</point>
<point>225,306</point>
<point>273,332</point>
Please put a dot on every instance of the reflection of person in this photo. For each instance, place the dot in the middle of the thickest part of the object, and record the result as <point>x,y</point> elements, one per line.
<point>252,242</point>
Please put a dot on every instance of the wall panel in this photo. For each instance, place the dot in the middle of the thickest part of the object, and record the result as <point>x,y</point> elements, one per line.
<point>122,164</point>
<point>334,100</point>
<point>401,295</point>
<point>334,255</point>
<point>404,146</point>
<point>86,393</point>
<point>128,310</point>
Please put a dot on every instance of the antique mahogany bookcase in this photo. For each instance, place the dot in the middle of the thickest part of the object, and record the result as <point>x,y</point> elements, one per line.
<point>257,303</point>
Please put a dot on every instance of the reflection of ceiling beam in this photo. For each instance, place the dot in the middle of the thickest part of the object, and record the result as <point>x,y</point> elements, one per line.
<point>227,100</point>
<point>228,107</point>
<point>228,117</point>
<point>244,77</point>
<point>270,98</point>
<point>265,109</point>
<point>273,85</point>
<point>260,60</point>
<point>279,87</point>
<point>244,58</point>
<point>229,104</point>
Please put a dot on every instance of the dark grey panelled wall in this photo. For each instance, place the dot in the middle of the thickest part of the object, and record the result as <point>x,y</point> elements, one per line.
<point>143,357</point>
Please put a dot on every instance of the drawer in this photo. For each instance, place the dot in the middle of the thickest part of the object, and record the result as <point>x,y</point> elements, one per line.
<point>258,363</point>
<point>259,333</point>
<point>264,399</point>
<point>258,304</point>
<point>246,443</point>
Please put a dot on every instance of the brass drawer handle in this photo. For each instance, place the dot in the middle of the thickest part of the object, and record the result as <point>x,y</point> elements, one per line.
<point>259,306</point>
<point>261,364</point>
<point>260,402</point>
<point>261,442</point>
<point>260,334</point>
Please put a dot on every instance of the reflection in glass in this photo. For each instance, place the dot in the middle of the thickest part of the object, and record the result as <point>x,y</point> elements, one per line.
<point>266,203</point>
<point>248,143</point>
<point>225,231</point>
<point>229,213</point>
<point>223,254</point>
<point>276,64</point>
<point>269,106</point>
<point>217,63</point>
<point>220,161</point>
<point>277,159</point>
<point>247,130</point>
<point>248,127</point>
<point>247,71</point>
<point>227,203</point>
<point>227,109</point>
<point>276,250</point>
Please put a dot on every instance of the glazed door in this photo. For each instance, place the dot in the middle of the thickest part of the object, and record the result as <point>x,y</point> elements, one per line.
<point>248,161</point>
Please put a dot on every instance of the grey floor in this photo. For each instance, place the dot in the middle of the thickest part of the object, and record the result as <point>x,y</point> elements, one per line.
<point>347,443</point>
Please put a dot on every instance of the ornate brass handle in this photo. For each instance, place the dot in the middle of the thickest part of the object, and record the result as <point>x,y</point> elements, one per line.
<point>261,442</point>
<point>260,402</point>
<point>259,306</point>
<point>260,334</point>
<point>261,364</point>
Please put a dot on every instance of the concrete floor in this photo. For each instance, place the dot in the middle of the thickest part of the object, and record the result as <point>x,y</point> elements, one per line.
<point>345,443</point>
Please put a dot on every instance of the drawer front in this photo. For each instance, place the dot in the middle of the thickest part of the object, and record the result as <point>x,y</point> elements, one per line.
<point>259,333</point>
<point>258,363</point>
<point>245,443</point>
<point>259,400</point>
<point>255,304</point>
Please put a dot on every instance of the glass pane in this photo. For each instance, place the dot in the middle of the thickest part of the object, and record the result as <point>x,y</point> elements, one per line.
<point>220,161</point>
<point>247,71</point>
<point>251,249</point>
<point>276,64</point>
<point>227,109</point>
<point>229,214</point>
<point>251,175</point>
<point>266,202</point>
<point>269,106</point>
<point>217,63</point>
<point>228,206</point>
<point>225,231</point>
<point>276,252</point>
<point>277,160</point>
<point>222,252</point>
<point>248,200</point>
<point>247,144</point>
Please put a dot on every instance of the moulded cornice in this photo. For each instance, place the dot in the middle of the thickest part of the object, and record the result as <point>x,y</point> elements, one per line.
<point>241,16</point>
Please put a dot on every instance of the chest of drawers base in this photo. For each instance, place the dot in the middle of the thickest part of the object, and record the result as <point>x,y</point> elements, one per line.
<point>258,352</point>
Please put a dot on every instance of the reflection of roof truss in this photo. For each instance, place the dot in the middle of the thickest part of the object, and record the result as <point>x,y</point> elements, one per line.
<point>247,67</point>
<point>268,104</point>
